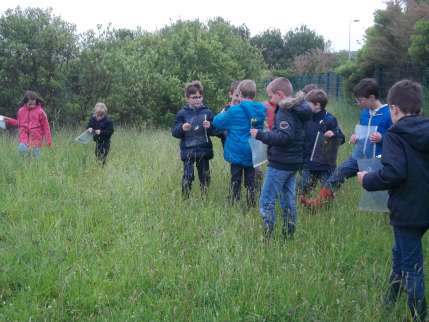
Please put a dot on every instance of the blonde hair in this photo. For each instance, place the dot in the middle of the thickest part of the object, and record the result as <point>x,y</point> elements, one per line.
<point>247,88</point>
<point>100,107</point>
<point>281,84</point>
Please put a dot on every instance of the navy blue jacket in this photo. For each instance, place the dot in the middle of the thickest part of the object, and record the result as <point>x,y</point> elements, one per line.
<point>105,125</point>
<point>286,139</point>
<point>196,143</point>
<point>405,172</point>
<point>320,122</point>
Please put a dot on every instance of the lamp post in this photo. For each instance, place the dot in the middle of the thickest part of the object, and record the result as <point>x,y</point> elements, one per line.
<point>350,29</point>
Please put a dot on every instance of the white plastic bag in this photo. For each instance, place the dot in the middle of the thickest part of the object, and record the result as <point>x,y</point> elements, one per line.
<point>2,122</point>
<point>85,137</point>
<point>259,152</point>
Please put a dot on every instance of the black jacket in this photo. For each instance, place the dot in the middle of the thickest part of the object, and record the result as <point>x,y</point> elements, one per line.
<point>195,143</point>
<point>286,139</point>
<point>105,125</point>
<point>320,122</point>
<point>405,172</point>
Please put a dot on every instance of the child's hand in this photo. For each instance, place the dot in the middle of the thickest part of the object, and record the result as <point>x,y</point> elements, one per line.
<point>253,132</point>
<point>186,126</point>
<point>90,130</point>
<point>206,124</point>
<point>375,137</point>
<point>353,139</point>
<point>97,132</point>
<point>360,176</point>
<point>329,134</point>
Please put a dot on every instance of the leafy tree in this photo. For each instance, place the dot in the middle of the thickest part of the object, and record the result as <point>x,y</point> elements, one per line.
<point>271,43</point>
<point>419,49</point>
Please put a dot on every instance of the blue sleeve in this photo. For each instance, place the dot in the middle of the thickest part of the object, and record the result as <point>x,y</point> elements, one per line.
<point>332,125</point>
<point>177,130</point>
<point>222,120</point>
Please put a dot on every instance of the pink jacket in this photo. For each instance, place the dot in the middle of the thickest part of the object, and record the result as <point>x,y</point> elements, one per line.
<point>33,126</point>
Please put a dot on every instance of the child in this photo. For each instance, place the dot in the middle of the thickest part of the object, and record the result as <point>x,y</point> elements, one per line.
<point>234,100</point>
<point>285,156</point>
<point>325,124</point>
<point>237,121</point>
<point>193,127</point>
<point>33,125</point>
<point>405,174</point>
<point>373,113</point>
<point>102,127</point>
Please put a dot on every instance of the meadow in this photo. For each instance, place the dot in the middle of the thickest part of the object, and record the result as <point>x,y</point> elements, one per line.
<point>79,242</point>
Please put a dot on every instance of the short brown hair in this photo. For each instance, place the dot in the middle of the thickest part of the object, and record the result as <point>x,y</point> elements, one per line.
<point>193,88</point>
<point>317,96</point>
<point>247,88</point>
<point>407,96</point>
<point>309,87</point>
<point>366,87</point>
<point>281,84</point>
<point>233,86</point>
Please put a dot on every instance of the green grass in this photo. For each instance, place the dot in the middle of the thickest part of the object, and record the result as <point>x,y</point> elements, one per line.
<point>83,243</point>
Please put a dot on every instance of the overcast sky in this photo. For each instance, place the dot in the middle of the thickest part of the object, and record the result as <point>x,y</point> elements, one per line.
<point>331,18</point>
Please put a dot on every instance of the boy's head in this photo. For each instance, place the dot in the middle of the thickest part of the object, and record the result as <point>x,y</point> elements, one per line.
<point>366,93</point>
<point>100,110</point>
<point>317,99</point>
<point>247,89</point>
<point>234,95</point>
<point>194,92</point>
<point>279,89</point>
<point>309,87</point>
<point>405,98</point>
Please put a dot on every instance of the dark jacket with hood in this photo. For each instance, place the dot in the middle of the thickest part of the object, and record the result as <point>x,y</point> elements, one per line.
<point>196,143</point>
<point>105,125</point>
<point>405,172</point>
<point>286,139</point>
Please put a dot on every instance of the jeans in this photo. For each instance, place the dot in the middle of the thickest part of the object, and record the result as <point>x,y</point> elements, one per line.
<point>278,184</point>
<point>24,150</point>
<point>407,260</point>
<point>203,168</point>
<point>237,172</point>
<point>349,168</point>
<point>309,179</point>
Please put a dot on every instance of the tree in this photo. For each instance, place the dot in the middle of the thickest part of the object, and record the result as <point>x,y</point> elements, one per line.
<point>271,43</point>
<point>419,49</point>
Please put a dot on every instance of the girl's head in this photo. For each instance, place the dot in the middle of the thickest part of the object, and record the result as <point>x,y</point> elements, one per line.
<point>31,99</point>
<point>100,111</point>
<point>194,94</point>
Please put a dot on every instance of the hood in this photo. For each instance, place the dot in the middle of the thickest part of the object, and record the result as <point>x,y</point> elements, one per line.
<point>415,130</point>
<point>255,109</point>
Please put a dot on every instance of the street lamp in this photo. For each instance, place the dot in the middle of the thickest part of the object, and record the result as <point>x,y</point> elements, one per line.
<point>350,28</point>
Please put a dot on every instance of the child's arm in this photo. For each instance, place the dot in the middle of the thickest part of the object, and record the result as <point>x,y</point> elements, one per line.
<point>332,125</point>
<point>45,128</point>
<point>282,134</point>
<point>11,121</point>
<point>177,129</point>
<point>221,120</point>
<point>394,170</point>
<point>108,130</point>
<point>91,123</point>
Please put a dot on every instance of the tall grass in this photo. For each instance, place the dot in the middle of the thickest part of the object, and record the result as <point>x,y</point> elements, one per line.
<point>79,242</point>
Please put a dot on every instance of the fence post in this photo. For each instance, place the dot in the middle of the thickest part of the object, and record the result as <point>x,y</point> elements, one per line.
<point>328,83</point>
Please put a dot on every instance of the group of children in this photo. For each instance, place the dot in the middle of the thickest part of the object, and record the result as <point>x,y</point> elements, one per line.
<point>291,127</point>
<point>33,127</point>
<point>396,133</point>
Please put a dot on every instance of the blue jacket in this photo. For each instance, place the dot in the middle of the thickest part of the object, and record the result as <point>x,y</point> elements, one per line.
<point>286,139</point>
<point>196,143</point>
<point>382,120</point>
<point>238,121</point>
<point>320,122</point>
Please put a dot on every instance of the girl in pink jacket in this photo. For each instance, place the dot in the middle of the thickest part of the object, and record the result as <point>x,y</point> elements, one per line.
<point>32,124</point>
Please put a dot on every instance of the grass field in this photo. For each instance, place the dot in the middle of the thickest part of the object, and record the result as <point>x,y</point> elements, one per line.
<point>83,243</point>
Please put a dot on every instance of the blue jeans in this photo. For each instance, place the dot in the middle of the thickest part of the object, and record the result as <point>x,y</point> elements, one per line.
<point>349,168</point>
<point>24,150</point>
<point>278,184</point>
<point>309,179</point>
<point>407,260</point>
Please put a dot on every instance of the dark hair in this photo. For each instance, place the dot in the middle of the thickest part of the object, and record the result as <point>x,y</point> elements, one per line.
<point>317,96</point>
<point>407,96</point>
<point>29,96</point>
<point>247,88</point>
<point>193,88</point>
<point>309,87</point>
<point>366,87</point>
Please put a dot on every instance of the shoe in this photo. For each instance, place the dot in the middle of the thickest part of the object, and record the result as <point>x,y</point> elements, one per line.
<point>325,196</point>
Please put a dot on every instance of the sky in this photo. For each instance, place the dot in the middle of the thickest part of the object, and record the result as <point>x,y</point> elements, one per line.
<point>332,19</point>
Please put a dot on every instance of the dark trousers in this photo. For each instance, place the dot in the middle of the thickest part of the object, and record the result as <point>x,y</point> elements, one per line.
<point>407,262</point>
<point>203,168</point>
<point>309,179</point>
<point>237,172</point>
<point>102,150</point>
<point>349,168</point>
